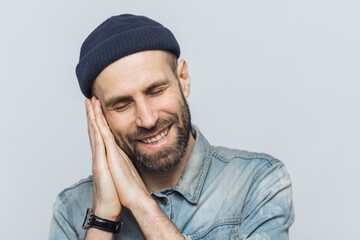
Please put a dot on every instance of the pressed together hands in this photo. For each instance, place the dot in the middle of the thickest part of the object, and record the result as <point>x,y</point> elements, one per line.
<point>117,183</point>
<point>113,171</point>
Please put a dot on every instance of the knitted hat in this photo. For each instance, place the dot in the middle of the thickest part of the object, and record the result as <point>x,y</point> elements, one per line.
<point>118,37</point>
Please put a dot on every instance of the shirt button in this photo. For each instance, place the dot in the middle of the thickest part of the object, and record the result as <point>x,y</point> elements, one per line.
<point>163,200</point>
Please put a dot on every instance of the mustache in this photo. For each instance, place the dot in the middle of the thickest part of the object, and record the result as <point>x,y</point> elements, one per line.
<point>162,123</point>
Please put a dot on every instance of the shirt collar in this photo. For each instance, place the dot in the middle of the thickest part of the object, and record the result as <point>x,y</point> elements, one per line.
<point>196,169</point>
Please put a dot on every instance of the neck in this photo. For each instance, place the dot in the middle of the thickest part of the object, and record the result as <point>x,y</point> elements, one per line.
<point>158,181</point>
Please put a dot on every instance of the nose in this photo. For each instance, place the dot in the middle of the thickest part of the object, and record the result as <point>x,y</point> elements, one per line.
<point>146,115</point>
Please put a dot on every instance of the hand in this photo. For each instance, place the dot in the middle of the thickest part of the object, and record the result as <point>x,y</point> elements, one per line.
<point>106,200</point>
<point>129,185</point>
<point>115,173</point>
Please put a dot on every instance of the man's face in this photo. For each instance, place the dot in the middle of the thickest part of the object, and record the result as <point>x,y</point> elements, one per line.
<point>144,103</point>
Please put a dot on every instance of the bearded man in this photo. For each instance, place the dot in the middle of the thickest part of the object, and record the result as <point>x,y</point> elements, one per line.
<point>155,176</point>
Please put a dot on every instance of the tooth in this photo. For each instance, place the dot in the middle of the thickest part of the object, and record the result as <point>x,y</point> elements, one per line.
<point>158,137</point>
<point>153,139</point>
<point>162,134</point>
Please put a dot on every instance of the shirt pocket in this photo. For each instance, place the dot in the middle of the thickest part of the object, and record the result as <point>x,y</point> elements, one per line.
<point>225,229</point>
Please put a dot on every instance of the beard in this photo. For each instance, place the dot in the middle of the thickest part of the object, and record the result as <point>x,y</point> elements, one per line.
<point>167,157</point>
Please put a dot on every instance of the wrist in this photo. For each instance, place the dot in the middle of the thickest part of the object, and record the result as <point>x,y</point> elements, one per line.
<point>106,214</point>
<point>93,221</point>
<point>144,206</point>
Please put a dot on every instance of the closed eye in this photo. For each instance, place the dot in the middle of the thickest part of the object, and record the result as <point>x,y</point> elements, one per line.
<point>122,107</point>
<point>156,91</point>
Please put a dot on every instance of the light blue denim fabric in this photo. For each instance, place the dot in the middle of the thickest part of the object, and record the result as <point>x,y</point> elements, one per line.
<point>223,194</point>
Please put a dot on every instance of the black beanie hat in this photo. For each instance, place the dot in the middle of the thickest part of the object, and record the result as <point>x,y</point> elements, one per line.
<point>118,37</point>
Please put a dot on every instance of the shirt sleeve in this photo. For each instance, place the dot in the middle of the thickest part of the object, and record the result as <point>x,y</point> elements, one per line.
<point>268,211</point>
<point>61,222</point>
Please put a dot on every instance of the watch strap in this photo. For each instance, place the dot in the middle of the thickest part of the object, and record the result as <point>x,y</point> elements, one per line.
<point>91,220</point>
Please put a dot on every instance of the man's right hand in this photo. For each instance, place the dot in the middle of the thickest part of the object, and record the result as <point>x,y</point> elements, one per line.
<point>117,183</point>
<point>106,201</point>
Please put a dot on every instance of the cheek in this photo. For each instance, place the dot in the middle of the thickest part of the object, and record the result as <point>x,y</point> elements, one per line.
<point>119,123</point>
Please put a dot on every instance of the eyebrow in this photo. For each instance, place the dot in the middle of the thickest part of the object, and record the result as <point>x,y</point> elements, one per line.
<point>114,100</point>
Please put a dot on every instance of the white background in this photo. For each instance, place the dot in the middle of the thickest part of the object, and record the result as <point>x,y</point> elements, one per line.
<point>280,77</point>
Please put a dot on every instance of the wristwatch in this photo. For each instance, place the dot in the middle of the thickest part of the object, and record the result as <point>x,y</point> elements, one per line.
<point>91,220</point>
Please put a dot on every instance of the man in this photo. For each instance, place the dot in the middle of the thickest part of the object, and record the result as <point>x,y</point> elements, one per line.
<point>154,174</point>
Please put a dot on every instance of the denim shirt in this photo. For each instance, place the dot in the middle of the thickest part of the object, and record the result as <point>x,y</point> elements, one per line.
<point>223,194</point>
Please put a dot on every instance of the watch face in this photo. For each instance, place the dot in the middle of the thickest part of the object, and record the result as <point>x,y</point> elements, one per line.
<point>87,219</point>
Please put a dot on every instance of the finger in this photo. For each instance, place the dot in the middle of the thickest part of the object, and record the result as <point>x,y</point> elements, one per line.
<point>99,156</point>
<point>93,100</point>
<point>106,134</point>
<point>89,114</point>
<point>89,111</point>
<point>98,109</point>
<point>92,138</point>
<point>96,141</point>
<point>108,137</point>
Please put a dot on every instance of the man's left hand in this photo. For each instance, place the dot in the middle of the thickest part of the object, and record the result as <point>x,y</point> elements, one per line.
<point>129,185</point>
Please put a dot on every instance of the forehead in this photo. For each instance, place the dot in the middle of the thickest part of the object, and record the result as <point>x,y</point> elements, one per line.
<point>132,73</point>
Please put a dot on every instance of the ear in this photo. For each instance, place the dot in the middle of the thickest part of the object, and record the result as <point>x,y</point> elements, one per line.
<point>184,77</point>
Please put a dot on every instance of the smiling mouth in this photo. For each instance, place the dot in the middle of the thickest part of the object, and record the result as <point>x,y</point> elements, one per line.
<point>157,138</point>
